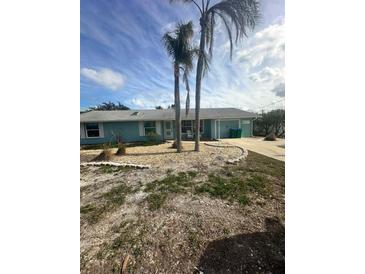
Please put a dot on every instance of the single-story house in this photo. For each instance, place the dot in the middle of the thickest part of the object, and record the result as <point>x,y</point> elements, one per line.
<point>97,127</point>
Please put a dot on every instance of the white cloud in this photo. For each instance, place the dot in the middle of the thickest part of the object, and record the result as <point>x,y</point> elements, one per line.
<point>138,103</point>
<point>105,77</point>
<point>265,46</point>
<point>267,74</point>
<point>248,82</point>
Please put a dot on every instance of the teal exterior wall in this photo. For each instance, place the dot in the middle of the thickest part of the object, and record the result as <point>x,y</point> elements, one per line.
<point>212,129</point>
<point>129,132</point>
<point>207,129</point>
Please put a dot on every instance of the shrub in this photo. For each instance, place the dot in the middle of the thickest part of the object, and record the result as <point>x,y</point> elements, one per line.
<point>121,149</point>
<point>153,137</point>
<point>270,137</point>
<point>105,155</point>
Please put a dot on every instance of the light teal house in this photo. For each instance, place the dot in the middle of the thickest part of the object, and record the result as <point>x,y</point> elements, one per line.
<point>97,127</point>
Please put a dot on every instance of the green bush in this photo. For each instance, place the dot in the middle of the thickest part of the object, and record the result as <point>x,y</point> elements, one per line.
<point>153,137</point>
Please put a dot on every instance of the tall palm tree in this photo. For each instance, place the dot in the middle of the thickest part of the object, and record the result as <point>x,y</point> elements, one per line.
<point>177,44</point>
<point>238,16</point>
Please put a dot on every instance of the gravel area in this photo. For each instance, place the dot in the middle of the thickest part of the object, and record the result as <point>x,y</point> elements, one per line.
<point>164,157</point>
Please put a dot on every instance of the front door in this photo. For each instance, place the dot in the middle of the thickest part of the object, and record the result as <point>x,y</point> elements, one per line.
<point>168,130</point>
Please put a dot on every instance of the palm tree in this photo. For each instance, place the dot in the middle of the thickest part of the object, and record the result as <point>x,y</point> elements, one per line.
<point>237,16</point>
<point>177,44</point>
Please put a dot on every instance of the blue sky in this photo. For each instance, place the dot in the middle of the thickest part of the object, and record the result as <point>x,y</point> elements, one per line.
<point>123,59</point>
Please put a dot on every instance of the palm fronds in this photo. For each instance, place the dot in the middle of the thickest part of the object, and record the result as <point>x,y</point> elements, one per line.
<point>177,44</point>
<point>242,14</point>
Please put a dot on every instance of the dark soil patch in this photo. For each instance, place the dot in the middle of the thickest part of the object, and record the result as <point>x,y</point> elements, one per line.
<point>258,252</point>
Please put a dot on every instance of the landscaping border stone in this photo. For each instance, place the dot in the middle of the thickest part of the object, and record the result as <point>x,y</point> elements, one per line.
<point>244,152</point>
<point>115,164</point>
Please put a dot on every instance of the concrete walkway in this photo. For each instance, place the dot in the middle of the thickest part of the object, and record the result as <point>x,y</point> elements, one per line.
<point>272,149</point>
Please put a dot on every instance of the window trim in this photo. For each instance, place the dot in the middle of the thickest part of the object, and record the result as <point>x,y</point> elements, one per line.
<point>87,133</point>
<point>144,127</point>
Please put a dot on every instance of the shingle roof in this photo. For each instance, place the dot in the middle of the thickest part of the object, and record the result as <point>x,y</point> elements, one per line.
<point>162,114</point>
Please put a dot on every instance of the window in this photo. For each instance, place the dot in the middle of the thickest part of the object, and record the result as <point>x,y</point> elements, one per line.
<point>188,125</point>
<point>92,130</point>
<point>201,126</point>
<point>149,127</point>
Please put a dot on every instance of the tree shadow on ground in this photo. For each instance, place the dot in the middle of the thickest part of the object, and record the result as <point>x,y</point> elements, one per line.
<point>260,252</point>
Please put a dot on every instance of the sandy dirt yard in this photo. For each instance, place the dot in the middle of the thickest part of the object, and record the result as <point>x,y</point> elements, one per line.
<point>272,149</point>
<point>164,157</point>
<point>188,213</point>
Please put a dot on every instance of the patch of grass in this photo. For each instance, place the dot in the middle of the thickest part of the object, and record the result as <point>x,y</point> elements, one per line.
<point>257,174</point>
<point>258,183</point>
<point>243,200</point>
<point>108,201</point>
<point>159,189</point>
<point>156,200</point>
<point>232,189</point>
<point>113,169</point>
<point>130,237</point>
<point>91,213</point>
<point>86,188</point>
<point>84,169</point>
<point>192,173</point>
<point>172,183</point>
<point>259,163</point>
<point>235,188</point>
<point>116,196</point>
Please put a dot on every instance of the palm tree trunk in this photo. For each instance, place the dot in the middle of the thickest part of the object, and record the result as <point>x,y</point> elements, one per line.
<point>177,108</point>
<point>199,72</point>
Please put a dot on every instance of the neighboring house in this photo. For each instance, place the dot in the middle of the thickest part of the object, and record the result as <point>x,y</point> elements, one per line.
<point>98,127</point>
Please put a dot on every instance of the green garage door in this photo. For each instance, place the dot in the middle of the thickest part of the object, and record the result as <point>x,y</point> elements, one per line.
<point>246,128</point>
<point>225,126</point>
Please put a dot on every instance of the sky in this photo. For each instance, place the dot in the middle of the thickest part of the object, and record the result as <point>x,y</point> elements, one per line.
<point>123,59</point>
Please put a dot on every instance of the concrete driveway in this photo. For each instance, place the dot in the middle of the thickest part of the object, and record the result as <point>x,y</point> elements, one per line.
<point>272,149</point>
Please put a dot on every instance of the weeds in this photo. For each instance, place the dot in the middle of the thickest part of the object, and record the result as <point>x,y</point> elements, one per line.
<point>235,186</point>
<point>159,189</point>
<point>113,169</point>
<point>91,213</point>
<point>109,201</point>
<point>156,200</point>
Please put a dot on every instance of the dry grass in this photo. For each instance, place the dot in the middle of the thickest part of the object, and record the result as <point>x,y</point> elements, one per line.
<point>105,155</point>
<point>174,222</point>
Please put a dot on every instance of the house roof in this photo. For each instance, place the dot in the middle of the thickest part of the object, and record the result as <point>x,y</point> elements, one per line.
<point>162,114</point>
